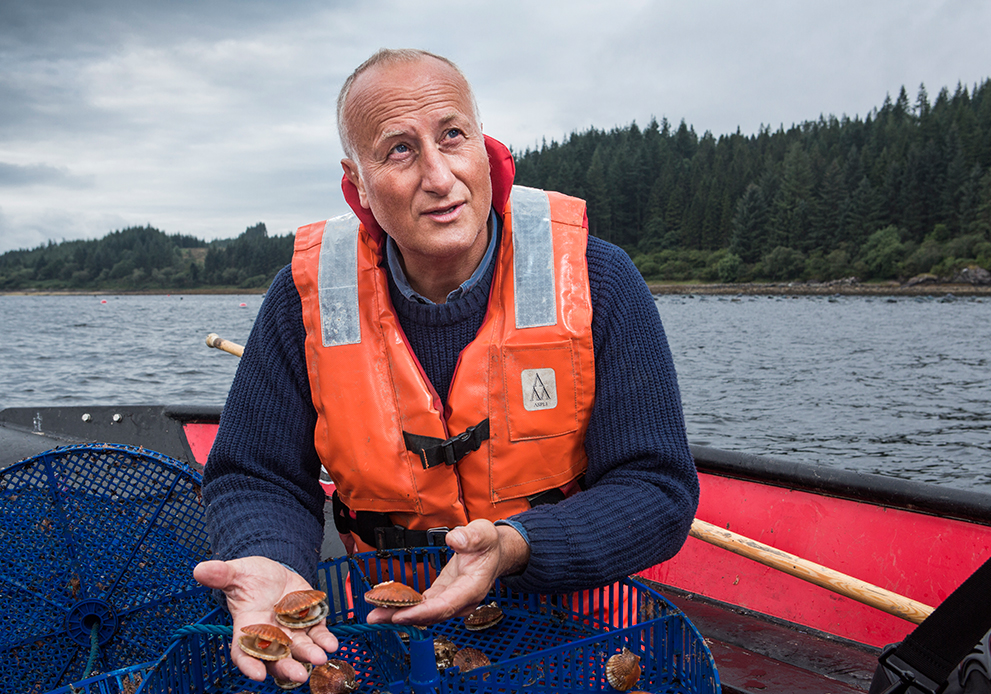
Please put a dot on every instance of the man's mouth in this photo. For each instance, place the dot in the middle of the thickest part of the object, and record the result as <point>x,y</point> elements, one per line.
<point>444,213</point>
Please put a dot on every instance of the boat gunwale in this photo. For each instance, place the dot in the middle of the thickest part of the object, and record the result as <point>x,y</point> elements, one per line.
<point>879,490</point>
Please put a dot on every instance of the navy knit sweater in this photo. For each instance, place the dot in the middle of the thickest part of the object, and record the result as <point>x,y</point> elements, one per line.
<point>261,481</point>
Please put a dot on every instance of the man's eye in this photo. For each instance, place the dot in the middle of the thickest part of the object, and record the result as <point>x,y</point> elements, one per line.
<point>453,133</point>
<point>400,149</point>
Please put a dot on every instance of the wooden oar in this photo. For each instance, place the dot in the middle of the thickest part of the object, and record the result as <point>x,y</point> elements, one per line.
<point>215,340</point>
<point>854,588</point>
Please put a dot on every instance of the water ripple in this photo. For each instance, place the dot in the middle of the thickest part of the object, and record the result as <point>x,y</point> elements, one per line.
<point>900,387</point>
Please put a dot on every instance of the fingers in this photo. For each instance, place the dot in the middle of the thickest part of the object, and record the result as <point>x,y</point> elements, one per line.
<point>303,650</point>
<point>461,586</point>
<point>430,611</point>
<point>252,668</point>
<point>213,574</point>
<point>252,586</point>
<point>325,642</point>
<point>381,615</point>
<point>459,540</point>
<point>308,646</point>
<point>478,536</point>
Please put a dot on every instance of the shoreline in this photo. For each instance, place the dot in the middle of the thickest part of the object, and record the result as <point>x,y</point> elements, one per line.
<point>138,292</point>
<point>821,289</point>
<point>715,289</point>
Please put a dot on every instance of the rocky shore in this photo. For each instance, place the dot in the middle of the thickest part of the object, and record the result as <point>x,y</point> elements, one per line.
<point>968,282</point>
<point>845,287</point>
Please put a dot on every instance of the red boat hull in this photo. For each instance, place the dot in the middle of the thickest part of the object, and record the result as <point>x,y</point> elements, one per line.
<point>917,555</point>
<point>770,632</point>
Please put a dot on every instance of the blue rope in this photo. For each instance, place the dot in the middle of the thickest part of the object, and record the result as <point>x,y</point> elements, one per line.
<point>94,650</point>
<point>338,630</point>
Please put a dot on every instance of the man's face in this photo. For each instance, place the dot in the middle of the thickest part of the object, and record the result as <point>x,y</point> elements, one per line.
<point>421,167</point>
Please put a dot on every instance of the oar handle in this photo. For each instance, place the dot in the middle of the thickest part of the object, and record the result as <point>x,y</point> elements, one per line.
<point>215,340</point>
<point>854,588</point>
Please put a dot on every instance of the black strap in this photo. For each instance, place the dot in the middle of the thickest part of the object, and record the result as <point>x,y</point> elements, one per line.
<point>433,451</point>
<point>377,530</point>
<point>927,656</point>
<point>398,537</point>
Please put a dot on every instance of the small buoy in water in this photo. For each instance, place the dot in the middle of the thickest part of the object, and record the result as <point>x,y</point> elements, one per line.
<point>104,301</point>
<point>243,305</point>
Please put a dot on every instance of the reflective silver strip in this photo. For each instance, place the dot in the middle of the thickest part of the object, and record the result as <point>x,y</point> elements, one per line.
<point>533,259</point>
<point>337,282</point>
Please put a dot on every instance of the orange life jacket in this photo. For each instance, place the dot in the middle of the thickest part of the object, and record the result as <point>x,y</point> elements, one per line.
<point>528,376</point>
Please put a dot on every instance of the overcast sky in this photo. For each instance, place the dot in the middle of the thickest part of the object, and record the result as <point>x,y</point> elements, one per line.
<point>206,117</point>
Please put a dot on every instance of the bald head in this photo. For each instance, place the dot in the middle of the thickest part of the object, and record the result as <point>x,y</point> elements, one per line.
<point>385,57</point>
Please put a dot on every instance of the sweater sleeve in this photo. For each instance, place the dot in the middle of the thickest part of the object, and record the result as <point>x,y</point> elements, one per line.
<point>642,484</point>
<point>261,482</point>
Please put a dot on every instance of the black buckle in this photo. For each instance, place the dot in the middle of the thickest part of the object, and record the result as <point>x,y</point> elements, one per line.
<point>397,537</point>
<point>447,448</point>
<point>437,537</point>
<point>433,451</point>
<point>909,681</point>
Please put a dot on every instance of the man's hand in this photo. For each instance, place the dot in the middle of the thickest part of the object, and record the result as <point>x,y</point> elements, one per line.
<point>483,552</point>
<point>252,586</point>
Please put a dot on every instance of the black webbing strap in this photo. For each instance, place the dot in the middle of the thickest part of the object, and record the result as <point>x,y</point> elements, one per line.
<point>923,661</point>
<point>398,537</point>
<point>433,451</point>
<point>378,531</point>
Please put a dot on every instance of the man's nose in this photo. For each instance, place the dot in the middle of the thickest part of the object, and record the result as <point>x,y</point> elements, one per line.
<point>436,174</point>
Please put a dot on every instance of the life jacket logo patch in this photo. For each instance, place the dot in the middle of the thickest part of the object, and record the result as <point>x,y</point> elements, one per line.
<point>539,389</point>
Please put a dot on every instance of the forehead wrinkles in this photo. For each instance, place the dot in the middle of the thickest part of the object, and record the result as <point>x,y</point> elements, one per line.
<point>386,104</point>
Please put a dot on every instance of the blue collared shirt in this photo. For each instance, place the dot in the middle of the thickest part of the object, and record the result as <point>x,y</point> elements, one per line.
<point>396,268</point>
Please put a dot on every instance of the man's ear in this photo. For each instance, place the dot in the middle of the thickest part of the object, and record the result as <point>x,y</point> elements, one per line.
<point>353,175</point>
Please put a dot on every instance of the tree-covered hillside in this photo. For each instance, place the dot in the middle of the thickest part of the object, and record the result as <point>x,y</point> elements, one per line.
<point>906,190</point>
<point>145,258</point>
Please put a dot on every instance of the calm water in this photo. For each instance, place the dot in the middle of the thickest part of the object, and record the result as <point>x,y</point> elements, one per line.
<point>77,350</point>
<point>895,386</point>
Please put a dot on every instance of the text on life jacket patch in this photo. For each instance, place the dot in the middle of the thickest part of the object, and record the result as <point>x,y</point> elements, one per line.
<point>539,389</point>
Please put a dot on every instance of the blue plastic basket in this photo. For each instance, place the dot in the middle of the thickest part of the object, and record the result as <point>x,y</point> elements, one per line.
<point>97,547</point>
<point>123,681</point>
<point>544,644</point>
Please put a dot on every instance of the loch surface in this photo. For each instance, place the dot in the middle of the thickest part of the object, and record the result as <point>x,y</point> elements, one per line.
<point>899,386</point>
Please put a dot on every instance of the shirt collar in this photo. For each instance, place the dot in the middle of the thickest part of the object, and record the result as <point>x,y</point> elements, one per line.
<point>402,283</point>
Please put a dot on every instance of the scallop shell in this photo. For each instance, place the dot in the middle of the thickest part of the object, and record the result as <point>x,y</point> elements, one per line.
<point>470,658</point>
<point>392,594</point>
<point>444,652</point>
<point>333,677</point>
<point>264,641</point>
<point>623,670</point>
<point>301,609</point>
<point>483,617</point>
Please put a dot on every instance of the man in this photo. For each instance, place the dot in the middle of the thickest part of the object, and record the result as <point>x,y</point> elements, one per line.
<point>467,358</point>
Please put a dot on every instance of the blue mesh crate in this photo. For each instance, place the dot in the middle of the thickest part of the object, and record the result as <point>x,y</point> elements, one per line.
<point>97,547</point>
<point>123,681</point>
<point>543,644</point>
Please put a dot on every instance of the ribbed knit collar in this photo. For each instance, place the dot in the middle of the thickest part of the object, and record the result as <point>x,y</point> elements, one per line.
<point>472,302</point>
<point>392,257</point>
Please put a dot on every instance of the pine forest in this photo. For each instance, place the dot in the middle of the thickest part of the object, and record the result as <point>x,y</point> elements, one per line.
<point>902,192</point>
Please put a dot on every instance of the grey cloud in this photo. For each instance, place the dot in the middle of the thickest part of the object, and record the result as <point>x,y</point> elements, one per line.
<point>16,175</point>
<point>205,116</point>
